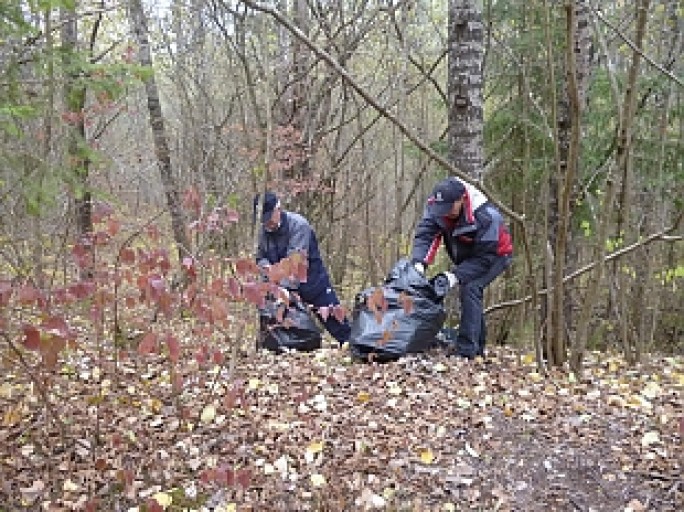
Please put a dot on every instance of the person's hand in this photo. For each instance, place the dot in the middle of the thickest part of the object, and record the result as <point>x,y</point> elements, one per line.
<point>451,278</point>
<point>420,267</point>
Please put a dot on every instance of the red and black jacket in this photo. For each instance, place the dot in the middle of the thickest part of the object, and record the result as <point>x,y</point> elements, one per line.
<point>474,241</point>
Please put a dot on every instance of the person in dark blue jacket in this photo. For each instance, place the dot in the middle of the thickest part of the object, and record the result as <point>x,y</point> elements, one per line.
<point>477,242</point>
<point>284,233</point>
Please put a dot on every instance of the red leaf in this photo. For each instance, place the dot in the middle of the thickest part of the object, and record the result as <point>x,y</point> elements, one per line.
<point>29,294</point>
<point>192,200</point>
<point>244,478</point>
<point>280,314</point>
<point>174,347</point>
<point>113,226</point>
<point>208,476</point>
<point>254,294</point>
<point>217,357</point>
<point>225,476</point>
<point>57,326</point>
<point>234,288</point>
<point>153,506</point>
<point>219,309</point>
<point>202,355</point>
<point>101,238</point>
<point>148,344</point>
<point>406,302</point>
<point>127,256</point>
<point>82,289</point>
<point>51,349</point>
<point>31,337</point>
<point>340,313</point>
<point>5,292</point>
<point>232,216</point>
<point>92,505</point>
<point>324,311</point>
<point>245,267</point>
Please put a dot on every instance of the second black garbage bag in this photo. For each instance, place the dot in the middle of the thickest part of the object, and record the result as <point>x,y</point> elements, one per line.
<point>403,316</point>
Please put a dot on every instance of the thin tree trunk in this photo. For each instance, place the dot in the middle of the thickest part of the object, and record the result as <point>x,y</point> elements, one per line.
<point>74,99</point>
<point>554,346</point>
<point>161,146</point>
<point>624,165</point>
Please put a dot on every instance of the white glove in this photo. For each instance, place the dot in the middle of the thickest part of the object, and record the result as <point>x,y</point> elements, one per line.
<point>283,296</point>
<point>451,277</point>
<point>419,267</point>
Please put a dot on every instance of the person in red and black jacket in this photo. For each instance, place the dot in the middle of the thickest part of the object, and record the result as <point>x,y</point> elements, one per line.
<point>478,243</point>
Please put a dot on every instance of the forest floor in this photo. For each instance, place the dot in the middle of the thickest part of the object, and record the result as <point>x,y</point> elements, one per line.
<point>319,432</point>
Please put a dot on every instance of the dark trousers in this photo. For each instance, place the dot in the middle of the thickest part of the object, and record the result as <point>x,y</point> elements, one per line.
<point>472,331</point>
<point>338,330</point>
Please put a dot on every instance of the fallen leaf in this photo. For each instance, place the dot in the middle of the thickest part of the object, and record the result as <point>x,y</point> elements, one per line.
<point>164,500</point>
<point>317,480</point>
<point>426,456</point>
<point>208,414</point>
<point>650,438</point>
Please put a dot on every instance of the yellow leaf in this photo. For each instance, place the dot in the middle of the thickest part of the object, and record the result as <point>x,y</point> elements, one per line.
<point>315,447</point>
<point>164,500</point>
<point>208,414</point>
<point>363,396</point>
<point>6,390</point>
<point>155,405</point>
<point>426,456</point>
<point>11,417</point>
<point>449,507</point>
<point>528,358</point>
<point>535,377</point>
<point>317,480</point>
<point>253,384</point>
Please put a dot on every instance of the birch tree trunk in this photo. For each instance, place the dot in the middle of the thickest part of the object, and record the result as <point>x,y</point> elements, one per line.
<point>465,84</point>
<point>139,25</point>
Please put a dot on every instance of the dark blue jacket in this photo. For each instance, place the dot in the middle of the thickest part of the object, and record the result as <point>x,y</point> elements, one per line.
<point>295,235</point>
<point>474,241</point>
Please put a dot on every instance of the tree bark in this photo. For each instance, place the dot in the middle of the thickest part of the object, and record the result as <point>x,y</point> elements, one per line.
<point>74,100</point>
<point>465,83</point>
<point>139,25</point>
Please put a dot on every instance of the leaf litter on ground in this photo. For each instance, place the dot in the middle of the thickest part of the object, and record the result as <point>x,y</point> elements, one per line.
<point>318,432</point>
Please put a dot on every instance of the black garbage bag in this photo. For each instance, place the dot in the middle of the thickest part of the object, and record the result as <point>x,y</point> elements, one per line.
<point>297,330</point>
<point>403,316</point>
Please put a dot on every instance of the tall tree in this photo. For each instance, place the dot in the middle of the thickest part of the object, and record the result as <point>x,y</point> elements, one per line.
<point>75,91</point>
<point>140,30</point>
<point>465,84</point>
